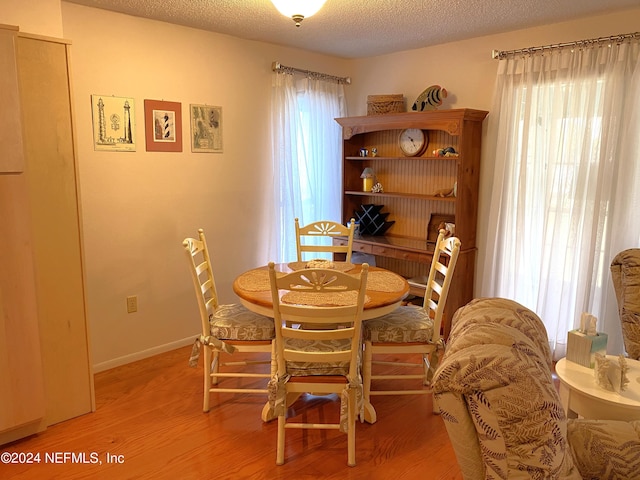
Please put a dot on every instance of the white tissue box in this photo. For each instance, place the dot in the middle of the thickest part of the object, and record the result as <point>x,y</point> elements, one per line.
<point>582,348</point>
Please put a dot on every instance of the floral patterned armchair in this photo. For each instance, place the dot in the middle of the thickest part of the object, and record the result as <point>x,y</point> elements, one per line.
<point>625,274</point>
<point>503,413</point>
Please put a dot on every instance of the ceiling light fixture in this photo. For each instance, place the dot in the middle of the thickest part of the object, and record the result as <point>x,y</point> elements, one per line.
<point>298,10</point>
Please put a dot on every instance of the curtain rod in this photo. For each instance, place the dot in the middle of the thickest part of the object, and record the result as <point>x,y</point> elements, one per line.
<point>500,55</point>
<point>278,67</point>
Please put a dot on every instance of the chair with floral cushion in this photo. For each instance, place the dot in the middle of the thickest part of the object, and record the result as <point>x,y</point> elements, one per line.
<point>503,412</point>
<point>226,329</point>
<point>322,355</point>
<point>625,274</point>
<point>411,329</point>
<point>324,229</point>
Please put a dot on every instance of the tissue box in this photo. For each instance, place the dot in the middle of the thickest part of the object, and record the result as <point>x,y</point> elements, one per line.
<point>582,348</point>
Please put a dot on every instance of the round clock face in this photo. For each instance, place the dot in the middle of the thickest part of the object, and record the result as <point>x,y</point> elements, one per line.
<point>412,141</point>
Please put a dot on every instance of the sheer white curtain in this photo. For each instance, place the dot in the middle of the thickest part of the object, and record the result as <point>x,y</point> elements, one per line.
<point>565,195</point>
<point>306,156</point>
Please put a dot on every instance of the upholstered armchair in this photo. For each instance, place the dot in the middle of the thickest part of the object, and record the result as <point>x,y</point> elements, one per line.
<point>625,274</point>
<point>503,413</point>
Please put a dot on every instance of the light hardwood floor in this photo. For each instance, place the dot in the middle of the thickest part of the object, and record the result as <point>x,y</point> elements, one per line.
<point>149,424</point>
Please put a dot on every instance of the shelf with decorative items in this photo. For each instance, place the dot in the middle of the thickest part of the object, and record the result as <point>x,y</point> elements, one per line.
<point>401,195</point>
<point>423,168</point>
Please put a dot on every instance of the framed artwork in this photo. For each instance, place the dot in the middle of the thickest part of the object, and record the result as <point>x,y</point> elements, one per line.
<point>435,221</point>
<point>206,128</point>
<point>113,123</point>
<point>163,126</point>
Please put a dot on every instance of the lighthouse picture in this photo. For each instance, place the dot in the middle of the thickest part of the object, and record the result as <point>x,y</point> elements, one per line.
<point>113,123</point>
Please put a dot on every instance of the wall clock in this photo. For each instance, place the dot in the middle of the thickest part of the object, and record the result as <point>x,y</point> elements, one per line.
<point>412,141</point>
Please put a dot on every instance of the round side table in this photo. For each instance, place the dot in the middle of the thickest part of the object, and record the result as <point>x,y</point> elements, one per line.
<point>581,396</point>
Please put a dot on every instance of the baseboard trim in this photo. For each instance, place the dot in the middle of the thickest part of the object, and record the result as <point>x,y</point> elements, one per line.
<point>23,431</point>
<point>150,352</point>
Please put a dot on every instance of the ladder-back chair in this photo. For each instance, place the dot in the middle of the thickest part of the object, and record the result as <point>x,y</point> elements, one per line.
<point>226,329</point>
<point>411,329</point>
<point>322,356</point>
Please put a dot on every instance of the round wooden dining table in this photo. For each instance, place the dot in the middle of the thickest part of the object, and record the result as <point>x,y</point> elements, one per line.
<point>385,289</point>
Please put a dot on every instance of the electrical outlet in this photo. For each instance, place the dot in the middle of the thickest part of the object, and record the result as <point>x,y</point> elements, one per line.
<point>132,304</point>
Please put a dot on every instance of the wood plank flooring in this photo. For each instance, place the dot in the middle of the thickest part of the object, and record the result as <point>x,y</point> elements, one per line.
<point>149,424</point>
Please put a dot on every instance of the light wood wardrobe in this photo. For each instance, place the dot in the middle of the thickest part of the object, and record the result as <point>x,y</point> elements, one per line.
<point>45,368</point>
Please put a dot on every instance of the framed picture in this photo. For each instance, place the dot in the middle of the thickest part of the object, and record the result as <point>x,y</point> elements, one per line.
<point>435,221</point>
<point>163,126</point>
<point>114,126</point>
<point>206,128</point>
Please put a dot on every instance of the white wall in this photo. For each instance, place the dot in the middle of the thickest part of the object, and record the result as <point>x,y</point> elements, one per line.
<point>466,68</point>
<point>42,17</point>
<point>138,206</point>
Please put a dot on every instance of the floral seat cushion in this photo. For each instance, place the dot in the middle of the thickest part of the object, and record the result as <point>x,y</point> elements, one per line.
<point>236,322</point>
<point>406,324</point>
<point>277,390</point>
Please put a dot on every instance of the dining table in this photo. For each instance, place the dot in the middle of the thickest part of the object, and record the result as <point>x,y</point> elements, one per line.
<point>385,291</point>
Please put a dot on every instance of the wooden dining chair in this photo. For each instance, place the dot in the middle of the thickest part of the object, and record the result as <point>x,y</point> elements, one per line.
<point>226,329</point>
<point>411,329</point>
<point>323,358</point>
<point>324,229</point>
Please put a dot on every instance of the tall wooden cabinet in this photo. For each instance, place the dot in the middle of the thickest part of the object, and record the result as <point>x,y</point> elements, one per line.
<point>410,185</point>
<point>45,369</point>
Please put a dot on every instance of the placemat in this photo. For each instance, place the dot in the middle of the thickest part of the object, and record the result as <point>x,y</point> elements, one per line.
<point>384,282</point>
<point>340,266</point>
<point>338,299</point>
<point>256,280</point>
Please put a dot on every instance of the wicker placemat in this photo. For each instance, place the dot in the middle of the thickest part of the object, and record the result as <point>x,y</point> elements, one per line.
<point>338,299</point>
<point>384,282</point>
<point>340,266</point>
<point>256,280</point>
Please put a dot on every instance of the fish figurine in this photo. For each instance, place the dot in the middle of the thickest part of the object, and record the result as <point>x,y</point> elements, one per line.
<point>430,99</point>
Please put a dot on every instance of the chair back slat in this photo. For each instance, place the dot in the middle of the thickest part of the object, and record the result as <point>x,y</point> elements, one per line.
<point>317,357</point>
<point>305,334</point>
<point>324,229</point>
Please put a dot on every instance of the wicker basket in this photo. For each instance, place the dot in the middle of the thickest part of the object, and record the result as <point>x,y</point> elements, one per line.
<point>380,104</point>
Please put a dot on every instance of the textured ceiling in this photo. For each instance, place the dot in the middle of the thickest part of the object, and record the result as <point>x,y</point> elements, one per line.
<point>364,28</point>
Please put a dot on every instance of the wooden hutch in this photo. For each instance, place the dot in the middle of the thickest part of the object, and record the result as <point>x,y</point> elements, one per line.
<point>412,189</point>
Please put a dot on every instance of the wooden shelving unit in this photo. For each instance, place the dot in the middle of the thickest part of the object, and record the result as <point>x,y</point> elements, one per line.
<point>410,184</point>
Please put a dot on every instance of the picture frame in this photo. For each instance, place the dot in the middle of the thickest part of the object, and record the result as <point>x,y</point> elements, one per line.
<point>163,126</point>
<point>114,127</point>
<point>434,221</point>
<point>206,128</point>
